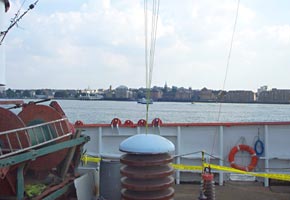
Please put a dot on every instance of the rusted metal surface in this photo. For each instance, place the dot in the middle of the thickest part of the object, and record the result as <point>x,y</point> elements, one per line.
<point>207,185</point>
<point>148,172</point>
<point>147,177</point>
<point>35,126</point>
<point>9,121</point>
<point>33,114</point>
<point>147,184</point>
<point>8,102</point>
<point>146,159</point>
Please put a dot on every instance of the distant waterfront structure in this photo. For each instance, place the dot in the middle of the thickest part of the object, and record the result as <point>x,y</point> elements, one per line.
<point>274,96</point>
<point>156,93</point>
<point>122,92</point>
<point>183,94</point>
<point>262,89</point>
<point>173,94</point>
<point>238,96</point>
<point>206,95</point>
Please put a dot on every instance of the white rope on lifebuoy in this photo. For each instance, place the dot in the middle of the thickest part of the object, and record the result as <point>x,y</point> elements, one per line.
<point>250,150</point>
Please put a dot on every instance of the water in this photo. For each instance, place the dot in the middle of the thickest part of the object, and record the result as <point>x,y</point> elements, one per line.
<point>105,111</point>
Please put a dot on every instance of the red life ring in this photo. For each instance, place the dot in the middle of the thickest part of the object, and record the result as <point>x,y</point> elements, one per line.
<point>156,122</point>
<point>116,122</point>
<point>128,123</point>
<point>243,147</point>
<point>79,123</point>
<point>142,122</point>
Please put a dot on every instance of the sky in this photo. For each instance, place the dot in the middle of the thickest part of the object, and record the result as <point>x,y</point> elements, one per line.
<point>65,44</point>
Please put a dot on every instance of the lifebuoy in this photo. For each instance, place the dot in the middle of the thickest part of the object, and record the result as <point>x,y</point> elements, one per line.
<point>128,123</point>
<point>116,122</point>
<point>142,122</point>
<point>79,123</point>
<point>156,122</point>
<point>259,145</point>
<point>250,150</point>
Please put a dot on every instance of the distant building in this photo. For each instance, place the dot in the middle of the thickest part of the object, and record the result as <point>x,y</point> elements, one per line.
<point>122,92</point>
<point>274,96</point>
<point>206,95</point>
<point>156,93</point>
<point>109,94</point>
<point>44,94</point>
<point>183,94</point>
<point>261,89</point>
<point>239,96</point>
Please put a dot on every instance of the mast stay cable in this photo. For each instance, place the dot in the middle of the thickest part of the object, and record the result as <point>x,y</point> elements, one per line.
<point>149,56</point>
<point>15,20</point>
<point>227,68</point>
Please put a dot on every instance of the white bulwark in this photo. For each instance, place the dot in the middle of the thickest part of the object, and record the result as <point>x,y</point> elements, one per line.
<point>215,139</point>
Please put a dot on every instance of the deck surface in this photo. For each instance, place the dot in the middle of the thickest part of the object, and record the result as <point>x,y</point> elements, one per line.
<point>235,190</point>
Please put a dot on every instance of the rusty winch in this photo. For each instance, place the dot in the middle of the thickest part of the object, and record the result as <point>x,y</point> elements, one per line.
<point>22,141</point>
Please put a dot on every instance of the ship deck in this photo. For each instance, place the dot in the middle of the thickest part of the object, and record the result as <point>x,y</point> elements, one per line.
<point>235,190</point>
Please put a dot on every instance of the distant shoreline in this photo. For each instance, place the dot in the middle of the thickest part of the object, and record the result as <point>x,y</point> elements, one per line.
<point>133,100</point>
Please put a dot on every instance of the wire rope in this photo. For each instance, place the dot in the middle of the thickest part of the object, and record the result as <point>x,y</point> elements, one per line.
<point>15,20</point>
<point>149,59</point>
<point>227,68</point>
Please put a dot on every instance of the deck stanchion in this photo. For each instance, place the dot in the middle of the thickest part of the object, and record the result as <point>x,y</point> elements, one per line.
<point>20,182</point>
<point>178,152</point>
<point>221,162</point>
<point>266,180</point>
<point>202,161</point>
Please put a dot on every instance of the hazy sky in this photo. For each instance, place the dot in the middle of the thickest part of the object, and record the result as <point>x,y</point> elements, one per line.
<point>75,44</point>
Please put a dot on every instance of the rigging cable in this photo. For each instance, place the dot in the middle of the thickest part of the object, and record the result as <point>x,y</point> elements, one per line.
<point>227,68</point>
<point>149,59</point>
<point>16,19</point>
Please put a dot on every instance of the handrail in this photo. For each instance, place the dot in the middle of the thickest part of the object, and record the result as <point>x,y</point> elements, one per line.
<point>189,124</point>
<point>30,135</point>
<point>33,126</point>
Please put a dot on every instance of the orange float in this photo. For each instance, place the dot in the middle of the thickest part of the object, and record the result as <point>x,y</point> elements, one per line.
<point>250,150</point>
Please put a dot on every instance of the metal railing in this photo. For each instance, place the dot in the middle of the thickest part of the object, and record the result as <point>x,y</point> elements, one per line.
<point>22,139</point>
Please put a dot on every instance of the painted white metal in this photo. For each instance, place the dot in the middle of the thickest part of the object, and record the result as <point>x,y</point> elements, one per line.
<point>191,140</point>
<point>147,144</point>
<point>266,180</point>
<point>2,49</point>
<point>178,153</point>
<point>221,161</point>
<point>86,184</point>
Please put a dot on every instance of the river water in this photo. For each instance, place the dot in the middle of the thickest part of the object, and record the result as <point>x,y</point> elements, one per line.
<point>105,111</point>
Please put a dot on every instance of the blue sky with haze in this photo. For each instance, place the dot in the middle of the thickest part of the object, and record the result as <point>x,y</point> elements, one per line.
<point>67,44</point>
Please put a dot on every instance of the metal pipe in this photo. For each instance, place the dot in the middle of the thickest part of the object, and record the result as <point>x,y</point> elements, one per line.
<point>221,161</point>
<point>266,180</point>
<point>31,127</point>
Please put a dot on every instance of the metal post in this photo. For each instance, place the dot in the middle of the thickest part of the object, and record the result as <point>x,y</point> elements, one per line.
<point>266,180</point>
<point>20,182</point>
<point>178,153</point>
<point>221,162</point>
<point>69,157</point>
<point>202,161</point>
<point>100,141</point>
